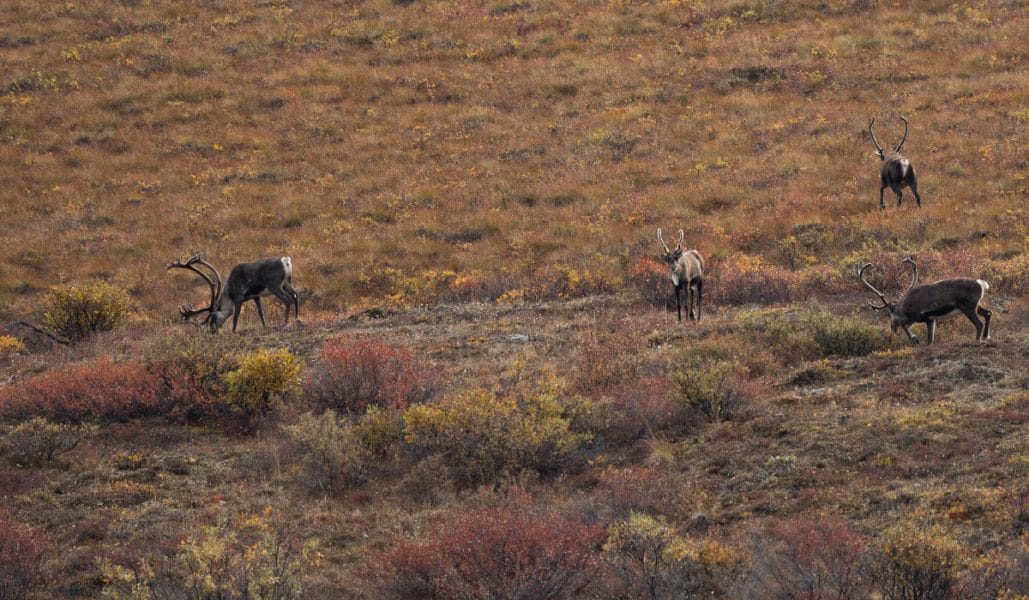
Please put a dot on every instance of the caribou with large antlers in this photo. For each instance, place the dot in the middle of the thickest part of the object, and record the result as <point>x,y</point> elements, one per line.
<point>928,302</point>
<point>687,269</point>
<point>897,172</point>
<point>247,281</point>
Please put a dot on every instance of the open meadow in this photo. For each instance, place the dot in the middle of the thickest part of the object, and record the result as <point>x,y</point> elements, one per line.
<point>487,394</point>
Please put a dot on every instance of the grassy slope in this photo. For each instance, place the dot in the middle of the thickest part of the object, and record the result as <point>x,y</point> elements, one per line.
<point>360,138</point>
<point>440,136</point>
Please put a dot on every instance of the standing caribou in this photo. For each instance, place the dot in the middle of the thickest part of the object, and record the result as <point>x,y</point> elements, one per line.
<point>247,281</point>
<point>687,271</point>
<point>927,302</point>
<point>897,172</point>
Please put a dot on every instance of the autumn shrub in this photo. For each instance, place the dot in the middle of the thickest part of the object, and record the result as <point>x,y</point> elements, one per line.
<point>330,460</point>
<point>719,390</point>
<point>76,312</point>
<point>10,346</point>
<point>193,366</point>
<point>641,488</point>
<point>41,440</point>
<point>751,280</point>
<point>605,358</point>
<point>559,281</point>
<point>483,436</point>
<point>913,562</point>
<point>623,413</point>
<point>652,560</point>
<point>102,390</point>
<point>351,375</point>
<point>255,388</point>
<point>380,433</point>
<point>653,282</point>
<point>248,556</point>
<point>427,482</point>
<point>810,558</point>
<point>501,553</point>
<point>21,555</point>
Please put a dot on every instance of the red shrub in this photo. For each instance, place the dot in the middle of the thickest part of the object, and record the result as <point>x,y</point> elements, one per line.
<point>21,551</point>
<point>14,481</point>
<point>642,489</point>
<point>349,376</point>
<point>498,553</point>
<point>653,281</point>
<point>750,280</point>
<point>647,403</point>
<point>812,559</point>
<point>98,390</point>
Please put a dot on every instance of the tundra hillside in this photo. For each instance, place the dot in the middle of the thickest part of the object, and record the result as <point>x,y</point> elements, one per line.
<point>486,394</point>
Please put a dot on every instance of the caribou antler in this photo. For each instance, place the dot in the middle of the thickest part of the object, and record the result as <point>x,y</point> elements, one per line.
<point>682,236</point>
<point>662,240</point>
<point>914,271</point>
<point>897,149</point>
<point>882,296</point>
<point>215,283</point>
<point>871,133</point>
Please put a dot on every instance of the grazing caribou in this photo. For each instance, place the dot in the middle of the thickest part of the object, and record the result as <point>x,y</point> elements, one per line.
<point>927,302</point>
<point>247,281</point>
<point>897,172</point>
<point>687,269</point>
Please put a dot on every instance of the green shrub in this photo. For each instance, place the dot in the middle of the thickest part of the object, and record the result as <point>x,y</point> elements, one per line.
<point>75,312</point>
<point>813,332</point>
<point>484,437</point>
<point>330,458</point>
<point>253,388</point>
<point>845,336</point>
<point>719,391</point>
<point>39,439</point>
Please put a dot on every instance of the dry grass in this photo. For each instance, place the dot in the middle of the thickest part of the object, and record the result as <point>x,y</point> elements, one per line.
<point>382,144</point>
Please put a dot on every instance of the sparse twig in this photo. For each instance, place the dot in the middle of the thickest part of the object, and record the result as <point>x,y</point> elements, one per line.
<point>38,329</point>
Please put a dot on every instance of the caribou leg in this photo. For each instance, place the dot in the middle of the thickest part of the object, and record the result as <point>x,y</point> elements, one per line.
<point>260,311</point>
<point>285,298</point>
<point>296,300</point>
<point>914,189</point>
<point>900,194</point>
<point>986,314</point>
<point>700,290</point>
<point>930,331</point>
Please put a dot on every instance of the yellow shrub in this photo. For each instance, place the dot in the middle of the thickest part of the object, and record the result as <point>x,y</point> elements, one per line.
<point>649,554</point>
<point>10,345</point>
<point>262,375</point>
<point>78,311</point>
<point>483,437</point>
<point>923,561</point>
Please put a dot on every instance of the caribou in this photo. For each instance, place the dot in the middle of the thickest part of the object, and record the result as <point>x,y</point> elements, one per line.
<point>897,172</point>
<point>927,302</point>
<point>687,269</point>
<point>247,281</point>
